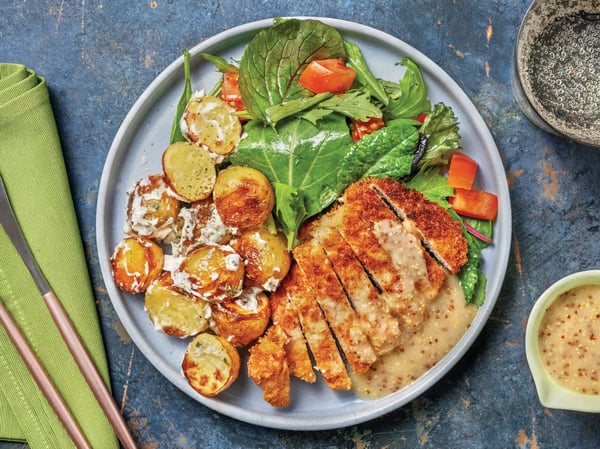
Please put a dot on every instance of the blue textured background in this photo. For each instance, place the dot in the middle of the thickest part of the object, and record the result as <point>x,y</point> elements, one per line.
<point>99,56</point>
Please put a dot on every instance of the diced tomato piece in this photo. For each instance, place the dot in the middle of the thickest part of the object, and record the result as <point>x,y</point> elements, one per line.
<point>327,75</point>
<point>462,170</point>
<point>359,129</point>
<point>421,118</point>
<point>230,91</point>
<point>475,204</point>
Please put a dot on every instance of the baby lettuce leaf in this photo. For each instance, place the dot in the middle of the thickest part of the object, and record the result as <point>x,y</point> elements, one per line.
<point>364,75</point>
<point>274,59</point>
<point>354,104</point>
<point>408,98</point>
<point>387,152</point>
<point>441,129</point>
<point>433,185</point>
<point>300,160</point>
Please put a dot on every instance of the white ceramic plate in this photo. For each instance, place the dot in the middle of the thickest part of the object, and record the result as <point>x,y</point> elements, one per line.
<point>136,152</point>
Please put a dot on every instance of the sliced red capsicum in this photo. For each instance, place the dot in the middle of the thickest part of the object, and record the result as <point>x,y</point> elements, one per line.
<point>474,203</point>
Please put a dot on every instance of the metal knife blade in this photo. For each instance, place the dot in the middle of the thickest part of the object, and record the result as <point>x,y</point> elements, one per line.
<point>8,221</point>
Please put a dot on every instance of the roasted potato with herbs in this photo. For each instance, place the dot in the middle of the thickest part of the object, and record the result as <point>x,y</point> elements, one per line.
<point>210,122</point>
<point>243,320</point>
<point>200,224</point>
<point>173,311</point>
<point>152,208</point>
<point>210,364</point>
<point>136,262</point>
<point>266,257</point>
<point>243,196</point>
<point>213,272</point>
<point>189,170</point>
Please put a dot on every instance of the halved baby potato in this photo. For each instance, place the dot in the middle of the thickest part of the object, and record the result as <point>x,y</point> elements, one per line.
<point>152,208</point>
<point>190,170</point>
<point>209,121</point>
<point>200,224</point>
<point>174,312</point>
<point>213,272</point>
<point>210,364</point>
<point>243,196</point>
<point>266,257</point>
<point>243,320</point>
<point>136,262</point>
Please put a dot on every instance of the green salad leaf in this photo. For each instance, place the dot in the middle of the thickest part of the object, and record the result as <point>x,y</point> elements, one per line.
<point>387,152</point>
<point>433,185</point>
<point>472,280</point>
<point>274,114</point>
<point>354,104</point>
<point>408,98</point>
<point>364,75</point>
<point>221,64</point>
<point>301,156</point>
<point>441,129</point>
<point>274,59</point>
<point>176,135</point>
<point>290,209</point>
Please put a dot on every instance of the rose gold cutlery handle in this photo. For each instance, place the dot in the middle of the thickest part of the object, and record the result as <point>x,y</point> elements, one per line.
<point>42,379</point>
<point>88,369</point>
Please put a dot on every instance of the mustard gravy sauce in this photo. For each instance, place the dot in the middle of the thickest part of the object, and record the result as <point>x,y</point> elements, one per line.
<point>569,339</point>
<point>448,319</point>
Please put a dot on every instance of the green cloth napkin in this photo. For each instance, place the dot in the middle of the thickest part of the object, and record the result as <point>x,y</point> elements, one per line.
<point>33,170</point>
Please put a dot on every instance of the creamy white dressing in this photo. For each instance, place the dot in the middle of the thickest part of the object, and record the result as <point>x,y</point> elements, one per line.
<point>139,220</point>
<point>232,262</point>
<point>212,232</point>
<point>182,280</point>
<point>271,284</point>
<point>249,299</point>
<point>449,318</point>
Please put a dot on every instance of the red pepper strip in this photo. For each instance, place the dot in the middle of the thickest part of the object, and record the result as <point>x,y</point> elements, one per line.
<point>461,171</point>
<point>474,204</point>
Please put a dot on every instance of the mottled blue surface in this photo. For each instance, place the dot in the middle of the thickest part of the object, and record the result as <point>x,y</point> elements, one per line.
<point>98,57</point>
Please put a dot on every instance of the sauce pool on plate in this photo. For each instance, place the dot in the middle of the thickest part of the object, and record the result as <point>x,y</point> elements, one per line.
<point>449,318</point>
<point>569,339</point>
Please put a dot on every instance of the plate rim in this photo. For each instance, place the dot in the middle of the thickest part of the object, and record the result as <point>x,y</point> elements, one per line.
<point>373,408</point>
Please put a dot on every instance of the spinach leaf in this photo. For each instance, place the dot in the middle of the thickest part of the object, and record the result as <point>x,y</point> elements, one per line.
<point>176,135</point>
<point>387,152</point>
<point>408,98</point>
<point>274,59</point>
<point>299,155</point>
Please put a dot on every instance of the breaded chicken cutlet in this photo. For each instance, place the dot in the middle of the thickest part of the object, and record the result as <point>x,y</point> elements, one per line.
<point>363,276</point>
